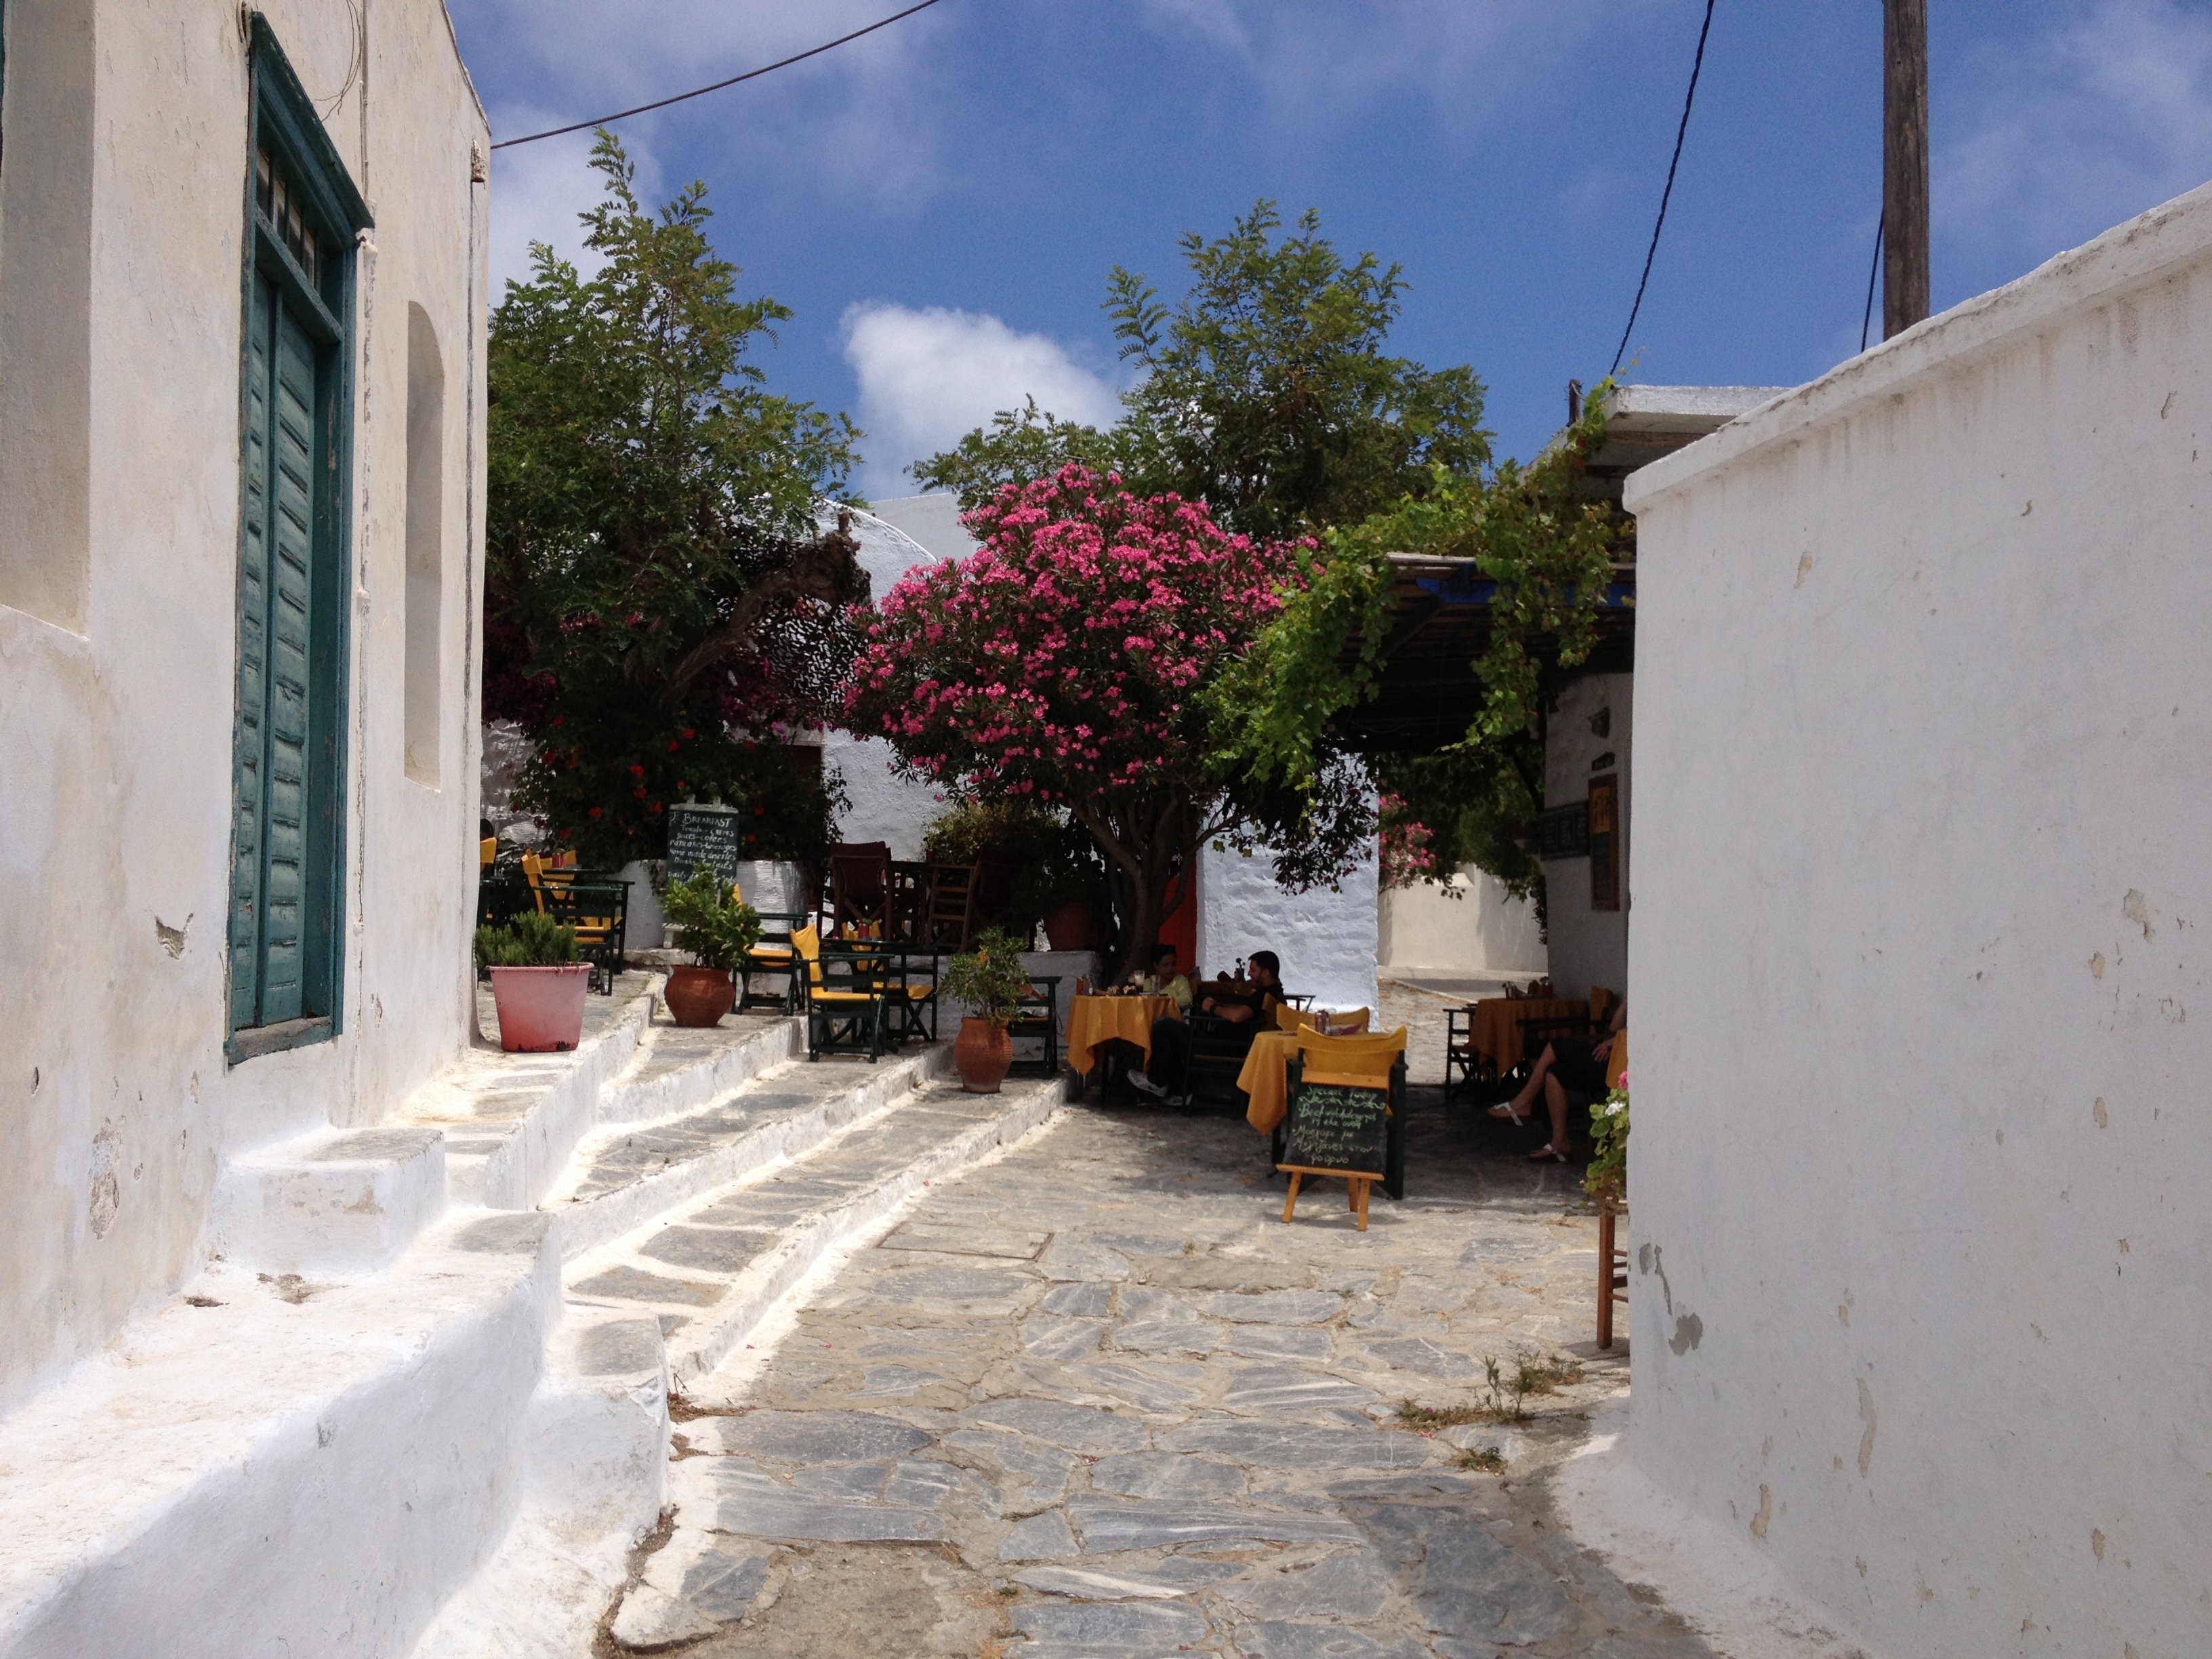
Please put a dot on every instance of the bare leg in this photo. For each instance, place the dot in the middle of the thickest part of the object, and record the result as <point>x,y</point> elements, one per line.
<point>1518,1108</point>
<point>1555,1097</point>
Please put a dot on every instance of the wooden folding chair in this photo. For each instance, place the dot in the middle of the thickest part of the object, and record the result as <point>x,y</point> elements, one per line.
<point>844,1011</point>
<point>950,922</point>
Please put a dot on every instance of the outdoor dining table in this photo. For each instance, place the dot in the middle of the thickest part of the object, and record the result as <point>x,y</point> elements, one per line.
<point>1496,1025</point>
<point>1092,1020</point>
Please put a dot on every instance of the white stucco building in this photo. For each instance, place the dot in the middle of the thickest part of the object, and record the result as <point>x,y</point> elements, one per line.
<point>241,426</point>
<point>1919,1260</point>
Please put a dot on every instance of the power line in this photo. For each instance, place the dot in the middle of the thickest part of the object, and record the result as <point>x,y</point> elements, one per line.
<point>1696,64</point>
<point>1880,226</point>
<point>700,92</point>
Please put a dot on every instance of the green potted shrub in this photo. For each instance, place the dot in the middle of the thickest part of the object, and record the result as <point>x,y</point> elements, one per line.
<point>538,983</point>
<point>707,919</point>
<point>991,982</point>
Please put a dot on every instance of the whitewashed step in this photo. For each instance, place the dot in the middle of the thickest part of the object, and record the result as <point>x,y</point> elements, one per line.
<point>712,1271</point>
<point>274,1463</point>
<point>596,1461</point>
<point>338,1201</point>
<point>622,1178</point>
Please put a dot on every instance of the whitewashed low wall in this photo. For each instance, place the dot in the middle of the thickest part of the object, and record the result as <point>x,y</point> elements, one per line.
<point>1326,938</point>
<point>1470,926</point>
<point>1922,1285</point>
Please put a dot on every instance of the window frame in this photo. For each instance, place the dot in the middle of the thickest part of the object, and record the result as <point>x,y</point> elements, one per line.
<point>282,124</point>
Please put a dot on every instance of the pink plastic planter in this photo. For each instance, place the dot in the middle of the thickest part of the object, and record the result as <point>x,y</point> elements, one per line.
<point>540,1009</point>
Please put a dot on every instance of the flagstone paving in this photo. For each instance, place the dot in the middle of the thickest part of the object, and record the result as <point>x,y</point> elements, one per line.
<point>1096,1398</point>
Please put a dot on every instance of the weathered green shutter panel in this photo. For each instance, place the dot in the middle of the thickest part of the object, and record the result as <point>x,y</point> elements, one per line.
<point>248,770</point>
<point>268,876</point>
<point>291,525</point>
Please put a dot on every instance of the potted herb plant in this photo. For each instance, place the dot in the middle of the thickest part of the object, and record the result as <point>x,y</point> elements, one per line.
<point>706,918</point>
<point>538,983</point>
<point>991,981</point>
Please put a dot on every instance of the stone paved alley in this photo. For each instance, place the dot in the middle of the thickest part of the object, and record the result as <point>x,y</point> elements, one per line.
<point>1093,1397</point>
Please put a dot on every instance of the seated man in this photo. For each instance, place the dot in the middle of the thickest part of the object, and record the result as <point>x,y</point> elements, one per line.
<point>1570,1071</point>
<point>1166,980</point>
<point>1169,1078</point>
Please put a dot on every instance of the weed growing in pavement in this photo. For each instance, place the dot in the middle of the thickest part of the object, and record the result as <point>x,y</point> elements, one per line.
<point>1505,1396</point>
<point>1489,1460</point>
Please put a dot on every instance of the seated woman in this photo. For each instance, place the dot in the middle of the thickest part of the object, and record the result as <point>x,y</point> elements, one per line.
<point>1169,1078</point>
<point>1166,979</point>
<point>1570,1071</point>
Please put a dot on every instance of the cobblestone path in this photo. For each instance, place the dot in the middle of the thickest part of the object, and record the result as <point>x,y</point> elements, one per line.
<point>1096,1398</point>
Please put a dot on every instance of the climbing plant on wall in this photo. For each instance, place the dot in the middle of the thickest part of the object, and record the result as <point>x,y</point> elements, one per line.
<point>1538,533</point>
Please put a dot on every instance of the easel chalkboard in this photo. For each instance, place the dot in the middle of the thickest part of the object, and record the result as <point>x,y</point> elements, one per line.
<point>703,835</point>
<point>1339,1125</point>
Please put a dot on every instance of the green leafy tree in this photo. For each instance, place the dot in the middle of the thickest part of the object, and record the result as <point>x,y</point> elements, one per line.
<point>660,597</point>
<point>1266,393</point>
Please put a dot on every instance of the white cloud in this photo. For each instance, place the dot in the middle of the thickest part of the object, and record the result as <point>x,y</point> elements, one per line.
<point>2095,122</point>
<point>928,376</point>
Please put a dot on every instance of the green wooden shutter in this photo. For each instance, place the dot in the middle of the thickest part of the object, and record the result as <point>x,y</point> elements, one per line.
<point>276,669</point>
<point>249,770</point>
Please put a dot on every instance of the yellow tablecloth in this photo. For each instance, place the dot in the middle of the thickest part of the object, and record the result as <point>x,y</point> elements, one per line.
<point>1266,1076</point>
<point>1094,1020</point>
<point>1497,1024</point>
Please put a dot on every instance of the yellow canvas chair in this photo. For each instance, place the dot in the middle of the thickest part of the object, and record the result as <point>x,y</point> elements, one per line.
<point>597,912</point>
<point>836,1013</point>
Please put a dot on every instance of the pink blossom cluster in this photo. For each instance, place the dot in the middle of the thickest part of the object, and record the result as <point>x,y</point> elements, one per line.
<point>1064,657</point>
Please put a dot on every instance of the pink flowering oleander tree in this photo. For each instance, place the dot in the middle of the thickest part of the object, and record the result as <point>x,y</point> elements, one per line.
<point>1068,662</point>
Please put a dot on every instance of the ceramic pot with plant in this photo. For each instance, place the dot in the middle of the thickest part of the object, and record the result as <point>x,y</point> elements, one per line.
<point>537,984</point>
<point>707,919</point>
<point>991,982</point>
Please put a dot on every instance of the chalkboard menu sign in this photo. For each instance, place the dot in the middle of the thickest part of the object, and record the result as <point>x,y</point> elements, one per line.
<point>703,835</point>
<point>1339,1126</point>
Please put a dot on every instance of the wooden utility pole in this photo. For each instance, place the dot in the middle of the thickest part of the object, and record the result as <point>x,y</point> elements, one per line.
<point>1904,164</point>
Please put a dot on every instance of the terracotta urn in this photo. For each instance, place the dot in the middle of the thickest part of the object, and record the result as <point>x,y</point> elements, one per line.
<point>699,996</point>
<point>1070,927</point>
<point>541,1010</point>
<point>982,1053</point>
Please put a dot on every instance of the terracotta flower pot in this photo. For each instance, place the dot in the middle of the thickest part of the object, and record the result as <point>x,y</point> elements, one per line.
<point>541,1010</point>
<point>699,996</point>
<point>982,1053</point>
<point>1070,927</point>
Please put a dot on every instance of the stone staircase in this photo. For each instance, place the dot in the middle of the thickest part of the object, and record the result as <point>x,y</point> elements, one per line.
<point>418,1401</point>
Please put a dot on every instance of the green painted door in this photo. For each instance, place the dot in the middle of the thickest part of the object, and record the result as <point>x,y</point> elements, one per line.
<point>271,762</point>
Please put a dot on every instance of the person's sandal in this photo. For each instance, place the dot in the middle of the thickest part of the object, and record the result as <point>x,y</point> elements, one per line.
<point>1504,1113</point>
<point>1546,1150</point>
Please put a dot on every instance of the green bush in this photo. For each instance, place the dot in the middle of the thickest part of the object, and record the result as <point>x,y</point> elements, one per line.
<point>529,940</point>
<point>990,979</point>
<point>708,920</point>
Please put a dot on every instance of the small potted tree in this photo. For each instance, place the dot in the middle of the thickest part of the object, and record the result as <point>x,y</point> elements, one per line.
<point>709,920</point>
<point>538,983</point>
<point>991,982</point>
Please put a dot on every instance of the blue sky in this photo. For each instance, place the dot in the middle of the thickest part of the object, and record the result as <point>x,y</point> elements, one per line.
<point>940,203</point>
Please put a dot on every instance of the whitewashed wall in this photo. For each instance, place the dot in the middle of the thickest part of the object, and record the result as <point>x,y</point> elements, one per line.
<point>1326,938</point>
<point>1469,925</point>
<point>121,221</point>
<point>1922,1290</point>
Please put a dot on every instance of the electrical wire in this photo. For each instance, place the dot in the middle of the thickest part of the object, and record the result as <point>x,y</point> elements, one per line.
<point>1874,271</point>
<point>700,92</point>
<point>1696,64</point>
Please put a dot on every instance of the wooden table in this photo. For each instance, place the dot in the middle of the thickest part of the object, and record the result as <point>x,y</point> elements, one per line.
<point>1092,1020</point>
<point>1495,1025</point>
